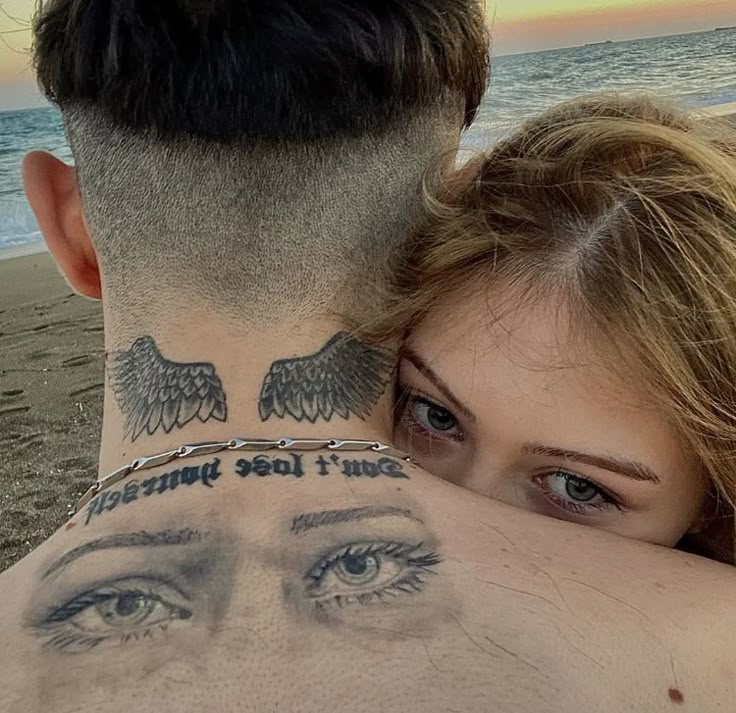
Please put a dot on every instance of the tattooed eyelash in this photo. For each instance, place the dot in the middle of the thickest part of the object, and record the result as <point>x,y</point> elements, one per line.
<point>413,583</point>
<point>430,560</point>
<point>84,643</point>
<point>396,549</point>
<point>415,570</point>
<point>99,615</point>
<point>62,640</point>
<point>68,611</point>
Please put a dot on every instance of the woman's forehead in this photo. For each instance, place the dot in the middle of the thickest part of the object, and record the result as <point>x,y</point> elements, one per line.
<point>528,375</point>
<point>527,349</point>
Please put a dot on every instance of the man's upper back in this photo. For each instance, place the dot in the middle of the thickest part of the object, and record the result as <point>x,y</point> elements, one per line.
<point>304,582</point>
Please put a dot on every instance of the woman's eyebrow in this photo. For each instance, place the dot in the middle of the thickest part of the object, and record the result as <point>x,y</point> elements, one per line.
<point>128,539</point>
<point>423,368</point>
<point>622,466</point>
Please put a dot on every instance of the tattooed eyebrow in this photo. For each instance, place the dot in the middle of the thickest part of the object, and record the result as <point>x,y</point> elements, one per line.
<point>308,521</point>
<point>129,539</point>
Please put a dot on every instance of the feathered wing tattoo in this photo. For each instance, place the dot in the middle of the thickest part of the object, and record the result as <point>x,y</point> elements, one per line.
<point>345,377</point>
<point>154,393</point>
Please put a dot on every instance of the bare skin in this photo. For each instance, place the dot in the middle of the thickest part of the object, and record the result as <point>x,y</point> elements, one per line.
<point>292,581</point>
<point>295,580</point>
<point>242,594</point>
<point>506,400</point>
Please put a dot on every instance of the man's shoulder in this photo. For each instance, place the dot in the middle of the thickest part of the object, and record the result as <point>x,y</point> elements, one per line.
<point>318,580</point>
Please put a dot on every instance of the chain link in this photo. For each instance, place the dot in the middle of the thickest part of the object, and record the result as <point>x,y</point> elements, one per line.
<point>235,444</point>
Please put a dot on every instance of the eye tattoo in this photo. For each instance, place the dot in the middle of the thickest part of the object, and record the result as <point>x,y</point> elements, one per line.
<point>125,610</point>
<point>368,573</point>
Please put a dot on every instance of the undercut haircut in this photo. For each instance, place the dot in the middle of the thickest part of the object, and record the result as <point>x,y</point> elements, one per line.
<point>201,126</point>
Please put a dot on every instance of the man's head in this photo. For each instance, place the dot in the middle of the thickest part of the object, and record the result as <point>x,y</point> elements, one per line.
<point>259,153</point>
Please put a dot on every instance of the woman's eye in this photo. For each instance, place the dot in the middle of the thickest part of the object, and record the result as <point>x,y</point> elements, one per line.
<point>362,573</point>
<point>431,417</point>
<point>128,609</point>
<point>574,493</point>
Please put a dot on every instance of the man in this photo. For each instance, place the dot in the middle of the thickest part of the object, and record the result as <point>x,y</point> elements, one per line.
<point>243,172</point>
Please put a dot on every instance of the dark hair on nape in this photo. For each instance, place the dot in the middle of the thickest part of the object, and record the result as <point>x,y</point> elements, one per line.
<point>262,69</point>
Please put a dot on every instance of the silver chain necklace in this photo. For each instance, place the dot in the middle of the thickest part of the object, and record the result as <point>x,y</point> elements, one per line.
<point>235,444</point>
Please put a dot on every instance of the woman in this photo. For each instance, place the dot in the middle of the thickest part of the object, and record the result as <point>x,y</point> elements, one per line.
<point>573,312</point>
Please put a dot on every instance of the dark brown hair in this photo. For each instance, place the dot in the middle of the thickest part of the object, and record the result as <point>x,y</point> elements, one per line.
<point>199,126</point>
<point>267,69</point>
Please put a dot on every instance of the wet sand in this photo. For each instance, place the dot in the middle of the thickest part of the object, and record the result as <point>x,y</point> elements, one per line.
<point>51,386</point>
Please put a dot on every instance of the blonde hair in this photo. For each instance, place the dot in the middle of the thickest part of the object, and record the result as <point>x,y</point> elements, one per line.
<point>627,208</point>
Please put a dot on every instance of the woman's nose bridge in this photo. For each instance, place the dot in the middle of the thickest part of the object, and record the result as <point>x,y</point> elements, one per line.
<point>497,475</point>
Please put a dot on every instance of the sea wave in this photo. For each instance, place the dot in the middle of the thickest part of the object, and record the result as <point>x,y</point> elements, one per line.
<point>695,69</point>
<point>17,224</point>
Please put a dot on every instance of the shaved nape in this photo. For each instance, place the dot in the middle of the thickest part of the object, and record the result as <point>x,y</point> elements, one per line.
<point>259,231</point>
<point>258,158</point>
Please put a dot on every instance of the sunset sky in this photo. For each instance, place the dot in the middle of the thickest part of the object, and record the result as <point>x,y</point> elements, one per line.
<point>519,26</point>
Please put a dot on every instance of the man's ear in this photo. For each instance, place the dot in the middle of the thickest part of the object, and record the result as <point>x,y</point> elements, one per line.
<point>53,192</point>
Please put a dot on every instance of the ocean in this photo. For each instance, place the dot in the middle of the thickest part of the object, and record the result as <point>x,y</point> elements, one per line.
<point>698,70</point>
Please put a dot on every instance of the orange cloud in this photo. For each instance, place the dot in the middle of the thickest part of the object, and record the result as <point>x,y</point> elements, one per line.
<point>578,28</point>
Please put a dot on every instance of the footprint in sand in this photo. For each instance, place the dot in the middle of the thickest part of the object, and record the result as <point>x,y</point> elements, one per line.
<point>12,392</point>
<point>29,441</point>
<point>45,504</point>
<point>21,519</point>
<point>43,355</point>
<point>86,391</point>
<point>81,463</point>
<point>77,361</point>
<point>44,326</point>
<point>10,543</point>
<point>14,410</point>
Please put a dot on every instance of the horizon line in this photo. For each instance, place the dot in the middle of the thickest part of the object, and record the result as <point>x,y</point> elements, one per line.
<point>45,104</point>
<point>614,42</point>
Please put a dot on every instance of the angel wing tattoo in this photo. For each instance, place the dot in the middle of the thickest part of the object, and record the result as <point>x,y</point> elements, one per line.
<point>154,393</point>
<point>344,377</point>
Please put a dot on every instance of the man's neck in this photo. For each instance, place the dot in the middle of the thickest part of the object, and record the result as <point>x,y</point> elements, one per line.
<point>204,378</point>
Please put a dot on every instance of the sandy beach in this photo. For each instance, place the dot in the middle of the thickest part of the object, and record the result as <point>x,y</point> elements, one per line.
<point>51,386</point>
